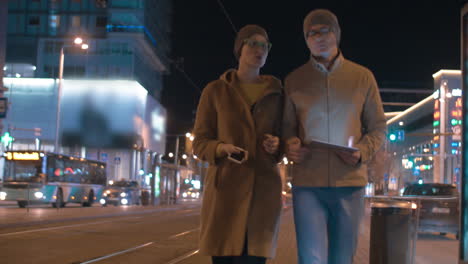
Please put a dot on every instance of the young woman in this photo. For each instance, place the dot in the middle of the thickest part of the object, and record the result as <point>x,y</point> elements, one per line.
<point>241,112</point>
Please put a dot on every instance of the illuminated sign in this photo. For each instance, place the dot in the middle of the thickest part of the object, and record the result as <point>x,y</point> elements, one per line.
<point>23,156</point>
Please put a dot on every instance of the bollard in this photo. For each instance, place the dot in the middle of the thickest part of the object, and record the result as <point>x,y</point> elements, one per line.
<point>391,233</point>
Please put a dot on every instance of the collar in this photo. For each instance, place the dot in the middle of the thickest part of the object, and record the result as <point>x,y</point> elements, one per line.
<point>337,62</point>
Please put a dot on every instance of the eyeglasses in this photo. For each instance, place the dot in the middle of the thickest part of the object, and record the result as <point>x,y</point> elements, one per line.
<point>258,44</point>
<point>322,31</point>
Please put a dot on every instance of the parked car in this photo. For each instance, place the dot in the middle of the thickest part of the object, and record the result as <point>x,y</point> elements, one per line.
<point>121,193</point>
<point>438,205</point>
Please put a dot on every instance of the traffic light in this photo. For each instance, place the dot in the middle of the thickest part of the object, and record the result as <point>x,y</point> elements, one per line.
<point>396,135</point>
<point>6,139</point>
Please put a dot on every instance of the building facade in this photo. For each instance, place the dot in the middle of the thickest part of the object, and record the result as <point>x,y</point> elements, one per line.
<point>128,39</point>
<point>110,108</point>
<point>430,150</point>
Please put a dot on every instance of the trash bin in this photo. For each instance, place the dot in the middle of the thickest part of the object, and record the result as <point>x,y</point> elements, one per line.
<point>392,229</point>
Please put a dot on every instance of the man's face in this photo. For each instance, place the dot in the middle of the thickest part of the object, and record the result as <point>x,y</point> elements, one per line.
<point>322,41</point>
<point>255,51</point>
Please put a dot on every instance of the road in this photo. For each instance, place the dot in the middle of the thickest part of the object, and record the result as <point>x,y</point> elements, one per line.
<point>99,235</point>
<point>146,234</point>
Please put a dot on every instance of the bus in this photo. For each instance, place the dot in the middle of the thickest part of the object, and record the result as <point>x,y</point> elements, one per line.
<point>37,177</point>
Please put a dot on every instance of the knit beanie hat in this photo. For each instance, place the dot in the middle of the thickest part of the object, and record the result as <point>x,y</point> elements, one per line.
<point>245,33</point>
<point>323,17</point>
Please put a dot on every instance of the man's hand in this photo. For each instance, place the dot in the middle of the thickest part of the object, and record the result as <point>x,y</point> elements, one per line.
<point>294,151</point>
<point>350,158</point>
<point>226,149</point>
<point>271,144</point>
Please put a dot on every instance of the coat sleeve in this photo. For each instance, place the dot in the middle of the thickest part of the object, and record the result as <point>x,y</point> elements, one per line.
<point>373,122</point>
<point>289,115</point>
<point>206,127</point>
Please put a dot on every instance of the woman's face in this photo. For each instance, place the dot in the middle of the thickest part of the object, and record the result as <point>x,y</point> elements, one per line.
<point>254,51</point>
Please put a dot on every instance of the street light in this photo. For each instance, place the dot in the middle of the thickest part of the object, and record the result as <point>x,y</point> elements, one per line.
<point>77,41</point>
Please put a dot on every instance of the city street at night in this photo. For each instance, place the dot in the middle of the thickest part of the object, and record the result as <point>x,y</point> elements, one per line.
<point>233,132</point>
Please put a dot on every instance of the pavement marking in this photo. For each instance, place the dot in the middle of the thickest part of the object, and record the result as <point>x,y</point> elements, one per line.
<point>52,228</point>
<point>117,253</point>
<point>183,233</point>
<point>60,227</point>
<point>183,257</point>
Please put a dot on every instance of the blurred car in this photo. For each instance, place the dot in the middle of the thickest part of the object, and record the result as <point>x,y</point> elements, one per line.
<point>439,206</point>
<point>191,193</point>
<point>121,193</point>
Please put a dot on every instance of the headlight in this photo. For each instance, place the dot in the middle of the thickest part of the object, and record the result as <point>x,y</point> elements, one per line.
<point>194,195</point>
<point>124,201</point>
<point>3,195</point>
<point>184,195</point>
<point>105,194</point>
<point>102,201</point>
<point>123,195</point>
<point>38,195</point>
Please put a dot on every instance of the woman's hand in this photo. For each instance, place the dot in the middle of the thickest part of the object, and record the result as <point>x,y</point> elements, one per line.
<point>271,144</point>
<point>223,150</point>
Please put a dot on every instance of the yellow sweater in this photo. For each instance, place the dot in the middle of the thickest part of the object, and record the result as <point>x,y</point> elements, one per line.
<point>252,91</point>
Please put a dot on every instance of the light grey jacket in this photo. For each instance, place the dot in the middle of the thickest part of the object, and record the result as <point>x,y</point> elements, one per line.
<point>332,105</point>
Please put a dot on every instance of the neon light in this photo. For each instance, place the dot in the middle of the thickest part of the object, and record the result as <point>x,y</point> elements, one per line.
<point>23,156</point>
<point>454,113</point>
<point>409,110</point>
<point>437,115</point>
<point>437,74</point>
<point>454,122</point>
<point>436,105</point>
<point>458,103</point>
<point>436,123</point>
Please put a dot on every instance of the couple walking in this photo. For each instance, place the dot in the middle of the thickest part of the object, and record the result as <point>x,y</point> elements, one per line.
<point>329,98</point>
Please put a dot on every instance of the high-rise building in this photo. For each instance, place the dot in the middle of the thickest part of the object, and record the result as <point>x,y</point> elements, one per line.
<point>128,39</point>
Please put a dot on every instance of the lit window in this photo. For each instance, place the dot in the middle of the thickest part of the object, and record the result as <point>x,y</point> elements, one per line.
<point>54,21</point>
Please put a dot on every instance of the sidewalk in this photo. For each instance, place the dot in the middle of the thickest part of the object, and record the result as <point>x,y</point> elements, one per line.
<point>430,249</point>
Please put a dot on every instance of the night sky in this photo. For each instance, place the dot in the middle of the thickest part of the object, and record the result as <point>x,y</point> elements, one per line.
<point>402,42</point>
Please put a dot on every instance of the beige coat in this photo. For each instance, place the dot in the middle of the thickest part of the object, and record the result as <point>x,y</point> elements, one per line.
<point>245,198</point>
<point>332,105</point>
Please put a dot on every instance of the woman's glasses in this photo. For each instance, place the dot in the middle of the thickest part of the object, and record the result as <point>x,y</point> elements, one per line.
<point>258,44</point>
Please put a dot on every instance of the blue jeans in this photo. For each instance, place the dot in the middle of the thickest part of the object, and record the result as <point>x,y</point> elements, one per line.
<point>327,223</point>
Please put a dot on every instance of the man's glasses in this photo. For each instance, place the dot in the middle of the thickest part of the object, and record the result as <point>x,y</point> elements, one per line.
<point>258,44</point>
<point>322,31</point>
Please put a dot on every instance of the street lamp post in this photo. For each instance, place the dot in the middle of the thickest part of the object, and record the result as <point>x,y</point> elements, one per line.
<point>177,136</point>
<point>77,41</point>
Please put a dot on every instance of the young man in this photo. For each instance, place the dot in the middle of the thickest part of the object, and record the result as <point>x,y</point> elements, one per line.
<point>334,100</point>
